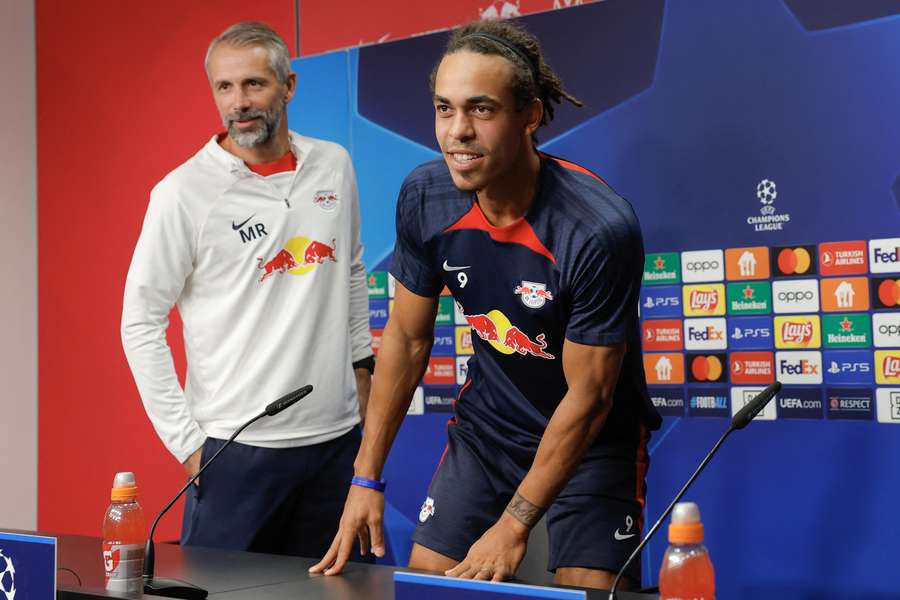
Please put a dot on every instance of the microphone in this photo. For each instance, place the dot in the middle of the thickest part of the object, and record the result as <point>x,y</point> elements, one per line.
<point>739,421</point>
<point>173,588</point>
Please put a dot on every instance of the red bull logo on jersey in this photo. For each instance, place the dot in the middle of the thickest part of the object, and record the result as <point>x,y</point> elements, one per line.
<point>496,329</point>
<point>299,256</point>
<point>326,200</point>
<point>534,295</point>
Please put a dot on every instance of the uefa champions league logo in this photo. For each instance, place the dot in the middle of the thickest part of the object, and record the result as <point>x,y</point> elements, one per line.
<point>7,577</point>
<point>769,219</point>
<point>766,192</point>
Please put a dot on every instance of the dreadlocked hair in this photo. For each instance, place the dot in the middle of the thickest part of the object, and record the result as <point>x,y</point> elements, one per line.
<point>531,79</point>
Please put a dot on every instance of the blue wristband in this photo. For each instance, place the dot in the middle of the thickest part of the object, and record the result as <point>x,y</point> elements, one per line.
<point>372,484</point>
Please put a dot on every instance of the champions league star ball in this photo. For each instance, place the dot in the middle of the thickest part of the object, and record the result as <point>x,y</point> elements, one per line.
<point>7,577</point>
<point>766,191</point>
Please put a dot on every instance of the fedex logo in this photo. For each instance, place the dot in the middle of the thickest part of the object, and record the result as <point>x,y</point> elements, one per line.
<point>884,255</point>
<point>705,334</point>
<point>799,367</point>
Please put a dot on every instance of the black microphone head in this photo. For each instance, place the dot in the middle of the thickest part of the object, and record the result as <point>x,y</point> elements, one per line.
<point>752,408</point>
<point>288,400</point>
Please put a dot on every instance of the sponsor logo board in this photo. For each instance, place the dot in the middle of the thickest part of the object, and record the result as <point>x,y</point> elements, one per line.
<point>668,402</point>
<point>888,405</point>
<point>842,258</point>
<point>887,367</point>
<point>708,402</point>
<point>749,298</point>
<point>707,368</point>
<point>659,302</point>
<point>846,331</point>
<point>847,366</point>
<point>463,337</point>
<point>793,261</point>
<point>703,300</point>
<point>886,330</point>
<point>444,342</point>
<point>886,292</point>
<point>795,296</point>
<point>750,333</point>
<point>850,403</point>
<point>845,294</point>
<point>661,268</point>
<point>747,263</point>
<point>702,265</point>
<point>884,255</point>
<point>797,331</point>
<point>664,368</point>
<point>705,334</point>
<point>438,399</point>
<point>661,334</point>
<point>804,367</point>
<point>741,397</point>
<point>799,403</point>
<point>752,367</point>
<point>378,313</point>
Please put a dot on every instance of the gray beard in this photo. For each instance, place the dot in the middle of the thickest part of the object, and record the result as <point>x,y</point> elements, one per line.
<point>260,134</point>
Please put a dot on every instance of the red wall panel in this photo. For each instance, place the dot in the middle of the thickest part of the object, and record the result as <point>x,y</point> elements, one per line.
<point>343,23</point>
<point>122,99</point>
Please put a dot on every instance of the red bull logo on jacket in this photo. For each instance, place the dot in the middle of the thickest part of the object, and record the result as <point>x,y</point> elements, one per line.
<point>496,329</point>
<point>299,256</point>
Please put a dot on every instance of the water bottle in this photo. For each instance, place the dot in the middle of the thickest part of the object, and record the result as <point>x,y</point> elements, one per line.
<point>686,573</point>
<point>124,534</point>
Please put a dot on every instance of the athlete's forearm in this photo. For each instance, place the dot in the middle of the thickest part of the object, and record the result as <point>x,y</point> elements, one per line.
<point>572,429</point>
<point>401,363</point>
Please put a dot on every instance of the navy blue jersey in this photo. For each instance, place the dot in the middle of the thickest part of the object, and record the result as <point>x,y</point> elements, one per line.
<point>569,269</point>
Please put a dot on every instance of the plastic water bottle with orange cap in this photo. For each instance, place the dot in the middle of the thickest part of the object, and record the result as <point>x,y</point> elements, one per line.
<point>124,534</point>
<point>686,573</point>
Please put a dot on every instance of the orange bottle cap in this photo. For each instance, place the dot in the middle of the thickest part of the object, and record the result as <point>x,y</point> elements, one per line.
<point>124,487</point>
<point>686,527</point>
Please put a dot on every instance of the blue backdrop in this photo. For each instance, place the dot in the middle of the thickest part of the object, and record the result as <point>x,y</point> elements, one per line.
<point>691,106</point>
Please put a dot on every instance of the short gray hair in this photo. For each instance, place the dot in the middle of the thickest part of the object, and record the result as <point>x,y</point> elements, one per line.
<point>254,33</point>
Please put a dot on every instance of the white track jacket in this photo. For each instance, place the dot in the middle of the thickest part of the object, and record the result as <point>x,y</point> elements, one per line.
<point>268,278</point>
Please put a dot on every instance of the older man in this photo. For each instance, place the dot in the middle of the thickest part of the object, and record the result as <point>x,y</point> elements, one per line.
<point>256,240</point>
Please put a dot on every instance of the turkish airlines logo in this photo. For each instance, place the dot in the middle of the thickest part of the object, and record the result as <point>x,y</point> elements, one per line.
<point>662,334</point>
<point>842,258</point>
<point>704,265</point>
<point>664,369</point>
<point>884,255</point>
<point>845,294</point>
<point>747,263</point>
<point>752,367</point>
<point>795,296</point>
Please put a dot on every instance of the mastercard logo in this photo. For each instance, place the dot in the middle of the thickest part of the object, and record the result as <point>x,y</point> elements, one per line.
<point>707,368</point>
<point>796,260</point>
<point>888,292</point>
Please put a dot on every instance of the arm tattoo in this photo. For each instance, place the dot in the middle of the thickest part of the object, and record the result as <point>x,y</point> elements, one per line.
<point>524,511</point>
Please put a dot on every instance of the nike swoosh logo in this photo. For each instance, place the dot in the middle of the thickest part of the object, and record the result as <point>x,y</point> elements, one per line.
<point>621,537</point>
<point>236,227</point>
<point>449,268</point>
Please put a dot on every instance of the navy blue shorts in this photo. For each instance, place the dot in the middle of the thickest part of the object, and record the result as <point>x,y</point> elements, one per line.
<point>274,500</point>
<point>594,523</point>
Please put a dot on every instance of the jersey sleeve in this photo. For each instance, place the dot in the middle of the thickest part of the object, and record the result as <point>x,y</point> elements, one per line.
<point>411,264</point>
<point>606,284</point>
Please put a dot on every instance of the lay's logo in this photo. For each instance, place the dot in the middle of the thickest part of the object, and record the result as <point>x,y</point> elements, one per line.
<point>700,300</point>
<point>798,332</point>
<point>888,366</point>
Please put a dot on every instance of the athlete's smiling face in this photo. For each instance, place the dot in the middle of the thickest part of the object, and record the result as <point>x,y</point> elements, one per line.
<point>479,129</point>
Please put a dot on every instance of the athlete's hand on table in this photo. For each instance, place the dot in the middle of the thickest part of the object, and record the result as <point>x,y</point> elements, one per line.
<point>497,554</point>
<point>362,519</point>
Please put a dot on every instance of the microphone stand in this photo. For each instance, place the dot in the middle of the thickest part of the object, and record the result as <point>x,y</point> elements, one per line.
<point>174,588</point>
<point>740,420</point>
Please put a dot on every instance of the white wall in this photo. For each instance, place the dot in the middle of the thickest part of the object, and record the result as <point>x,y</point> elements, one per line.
<point>18,268</point>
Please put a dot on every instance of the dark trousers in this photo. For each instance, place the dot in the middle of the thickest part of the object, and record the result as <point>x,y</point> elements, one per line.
<point>273,500</point>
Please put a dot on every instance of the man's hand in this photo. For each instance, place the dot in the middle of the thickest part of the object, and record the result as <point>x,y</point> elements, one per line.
<point>362,519</point>
<point>363,386</point>
<point>192,464</point>
<point>497,554</point>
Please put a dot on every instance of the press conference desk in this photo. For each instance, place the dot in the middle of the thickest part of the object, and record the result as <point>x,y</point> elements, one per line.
<point>230,575</point>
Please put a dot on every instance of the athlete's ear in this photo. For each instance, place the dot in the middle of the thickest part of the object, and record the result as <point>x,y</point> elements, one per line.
<point>534,113</point>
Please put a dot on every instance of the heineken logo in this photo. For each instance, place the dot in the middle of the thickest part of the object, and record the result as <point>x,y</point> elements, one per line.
<point>662,268</point>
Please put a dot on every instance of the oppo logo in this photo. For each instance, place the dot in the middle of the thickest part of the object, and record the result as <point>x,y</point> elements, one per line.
<point>702,265</point>
<point>795,296</point>
<point>889,329</point>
